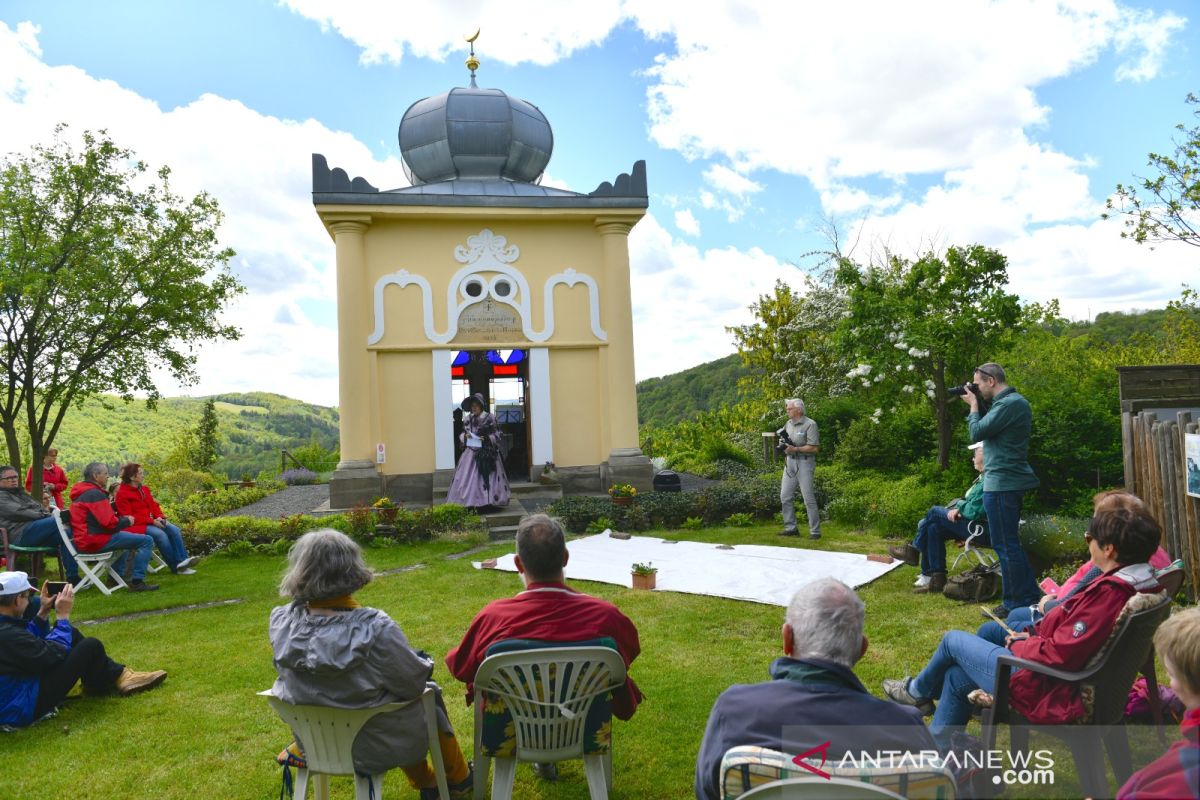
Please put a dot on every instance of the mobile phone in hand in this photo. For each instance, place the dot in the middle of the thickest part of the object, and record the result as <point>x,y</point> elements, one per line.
<point>55,587</point>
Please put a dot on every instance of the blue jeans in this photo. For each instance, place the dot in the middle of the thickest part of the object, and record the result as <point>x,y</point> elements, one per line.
<point>143,547</point>
<point>169,540</point>
<point>1019,619</point>
<point>1004,521</point>
<point>932,533</point>
<point>962,662</point>
<point>44,533</point>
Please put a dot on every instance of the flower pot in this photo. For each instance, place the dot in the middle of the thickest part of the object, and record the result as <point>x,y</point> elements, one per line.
<point>622,501</point>
<point>387,515</point>
<point>646,582</point>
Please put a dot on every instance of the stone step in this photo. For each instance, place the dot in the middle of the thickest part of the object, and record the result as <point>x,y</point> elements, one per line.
<point>499,533</point>
<point>518,490</point>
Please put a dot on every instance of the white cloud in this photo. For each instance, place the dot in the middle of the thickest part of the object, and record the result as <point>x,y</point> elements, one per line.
<point>259,169</point>
<point>1143,40</point>
<point>684,297</point>
<point>686,221</point>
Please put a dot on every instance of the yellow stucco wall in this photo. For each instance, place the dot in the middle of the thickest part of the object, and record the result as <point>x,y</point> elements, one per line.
<point>578,434</point>
<point>405,408</point>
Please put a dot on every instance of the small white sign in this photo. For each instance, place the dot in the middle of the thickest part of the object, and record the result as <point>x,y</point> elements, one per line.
<point>380,455</point>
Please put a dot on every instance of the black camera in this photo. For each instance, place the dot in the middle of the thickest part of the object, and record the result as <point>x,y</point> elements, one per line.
<point>973,388</point>
<point>783,441</point>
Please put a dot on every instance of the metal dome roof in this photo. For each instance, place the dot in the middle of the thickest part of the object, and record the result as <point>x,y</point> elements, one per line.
<point>480,134</point>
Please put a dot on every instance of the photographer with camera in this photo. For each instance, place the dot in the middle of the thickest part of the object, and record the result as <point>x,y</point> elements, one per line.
<point>1004,428</point>
<point>798,441</point>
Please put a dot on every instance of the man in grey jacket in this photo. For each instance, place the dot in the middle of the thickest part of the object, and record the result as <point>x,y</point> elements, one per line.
<point>29,524</point>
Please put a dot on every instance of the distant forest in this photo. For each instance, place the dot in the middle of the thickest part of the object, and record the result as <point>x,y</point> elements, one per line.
<point>683,395</point>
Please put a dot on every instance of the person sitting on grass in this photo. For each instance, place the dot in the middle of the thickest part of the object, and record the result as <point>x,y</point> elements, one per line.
<point>1121,537</point>
<point>814,695</point>
<point>1176,773</point>
<point>1023,618</point>
<point>331,651</point>
<point>133,499</point>
<point>40,663</point>
<point>940,524</point>
<point>97,528</point>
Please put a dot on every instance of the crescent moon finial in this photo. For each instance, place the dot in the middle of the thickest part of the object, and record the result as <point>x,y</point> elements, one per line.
<point>473,36</point>
<point>472,61</point>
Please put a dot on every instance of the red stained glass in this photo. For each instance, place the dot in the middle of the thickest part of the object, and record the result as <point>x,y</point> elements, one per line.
<point>456,372</point>
<point>498,369</point>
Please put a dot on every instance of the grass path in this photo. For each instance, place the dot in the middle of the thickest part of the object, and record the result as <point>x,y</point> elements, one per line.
<point>204,733</point>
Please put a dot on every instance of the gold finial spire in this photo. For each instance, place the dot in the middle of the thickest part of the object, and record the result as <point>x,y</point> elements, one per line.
<point>472,61</point>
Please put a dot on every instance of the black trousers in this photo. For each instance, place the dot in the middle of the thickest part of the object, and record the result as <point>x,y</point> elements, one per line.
<point>87,662</point>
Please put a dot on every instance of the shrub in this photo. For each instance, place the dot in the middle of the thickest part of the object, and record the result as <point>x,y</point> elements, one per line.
<point>177,485</point>
<point>209,535</point>
<point>740,520</point>
<point>1054,539</point>
<point>361,521</point>
<point>298,477</point>
<point>900,437</point>
<point>214,504</point>
<point>600,525</point>
<point>718,502</point>
<point>669,509</point>
<point>692,524</point>
<point>576,512</point>
<point>449,516</point>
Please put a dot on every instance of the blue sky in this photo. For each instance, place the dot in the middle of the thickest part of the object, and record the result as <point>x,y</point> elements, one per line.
<point>948,122</point>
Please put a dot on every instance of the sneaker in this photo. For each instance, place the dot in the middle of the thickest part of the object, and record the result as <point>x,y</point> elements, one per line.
<point>185,571</point>
<point>897,692</point>
<point>922,580</point>
<point>142,586</point>
<point>130,681</point>
<point>787,532</point>
<point>1000,611</point>
<point>190,561</point>
<point>906,553</point>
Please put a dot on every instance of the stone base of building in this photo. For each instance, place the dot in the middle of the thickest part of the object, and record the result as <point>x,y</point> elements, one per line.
<point>628,465</point>
<point>354,482</point>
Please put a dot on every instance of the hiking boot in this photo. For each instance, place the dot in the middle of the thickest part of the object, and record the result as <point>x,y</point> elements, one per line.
<point>142,586</point>
<point>937,582</point>
<point>1000,611</point>
<point>897,692</point>
<point>906,553</point>
<point>547,772</point>
<point>130,681</point>
<point>787,532</point>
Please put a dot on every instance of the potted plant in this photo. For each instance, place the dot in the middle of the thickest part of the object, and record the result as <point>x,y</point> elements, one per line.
<point>622,494</point>
<point>549,474</point>
<point>247,481</point>
<point>645,576</point>
<point>386,510</point>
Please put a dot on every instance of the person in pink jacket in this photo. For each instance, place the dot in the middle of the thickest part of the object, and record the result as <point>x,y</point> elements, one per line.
<point>54,480</point>
<point>133,499</point>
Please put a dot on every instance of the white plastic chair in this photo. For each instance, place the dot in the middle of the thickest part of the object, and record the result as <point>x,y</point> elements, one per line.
<point>974,531</point>
<point>92,566</point>
<point>548,692</point>
<point>327,735</point>
<point>818,787</point>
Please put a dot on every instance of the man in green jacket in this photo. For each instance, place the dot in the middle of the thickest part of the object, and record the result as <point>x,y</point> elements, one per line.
<point>941,523</point>
<point>1005,430</point>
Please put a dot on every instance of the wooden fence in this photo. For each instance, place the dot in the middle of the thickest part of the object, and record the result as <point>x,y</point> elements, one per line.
<point>1155,470</point>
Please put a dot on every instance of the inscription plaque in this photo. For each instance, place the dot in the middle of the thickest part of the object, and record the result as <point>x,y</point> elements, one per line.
<point>489,321</point>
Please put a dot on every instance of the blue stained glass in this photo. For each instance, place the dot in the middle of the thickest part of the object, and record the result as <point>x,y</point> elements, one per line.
<point>499,356</point>
<point>461,357</point>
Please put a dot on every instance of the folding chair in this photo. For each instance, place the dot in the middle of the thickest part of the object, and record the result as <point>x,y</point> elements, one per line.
<point>327,735</point>
<point>970,550</point>
<point>549,692</point>
<point>92,566</point>
<point>35,554</point>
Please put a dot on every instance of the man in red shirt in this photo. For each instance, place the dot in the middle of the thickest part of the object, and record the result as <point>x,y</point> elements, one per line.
<point>548,610</point>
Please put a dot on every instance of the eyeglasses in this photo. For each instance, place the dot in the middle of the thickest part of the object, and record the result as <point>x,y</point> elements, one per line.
<point>8,477</point>
<point>989,371</point>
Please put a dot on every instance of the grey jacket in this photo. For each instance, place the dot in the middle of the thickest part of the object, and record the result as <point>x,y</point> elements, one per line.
<point>354,659</point>
<point>18,509</point>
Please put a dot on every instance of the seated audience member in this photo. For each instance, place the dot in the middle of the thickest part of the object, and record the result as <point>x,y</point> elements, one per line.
<point>940,524</point>
<point>133,499</point>
<point>813,696</point>
<point>1177,773</point>
<point>1121,537</point>
<point>547,610</point>
<point>54,479</point>
<point>40,663</point>
<point>329,650</point>
<point>97,528</point>
<point>28,522</point>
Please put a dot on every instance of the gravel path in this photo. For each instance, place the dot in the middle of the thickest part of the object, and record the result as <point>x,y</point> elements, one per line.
<point>285,502</point>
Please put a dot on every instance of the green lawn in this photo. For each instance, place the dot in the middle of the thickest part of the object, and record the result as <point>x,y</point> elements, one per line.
<point>204,731</point>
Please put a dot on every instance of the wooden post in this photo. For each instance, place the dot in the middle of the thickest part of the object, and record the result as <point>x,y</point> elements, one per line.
<point>1127,452</point>
<point>1153,494</point>
<point>1170,477</point>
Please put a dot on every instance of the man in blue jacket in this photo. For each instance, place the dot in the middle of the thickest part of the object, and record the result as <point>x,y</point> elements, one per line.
<point>40,663</point>
<point>1005,430</point>
<point>814,701</point>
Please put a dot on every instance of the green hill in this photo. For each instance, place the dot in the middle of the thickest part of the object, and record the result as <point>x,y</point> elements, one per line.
<point>252,426</point>
<point>672,398</point>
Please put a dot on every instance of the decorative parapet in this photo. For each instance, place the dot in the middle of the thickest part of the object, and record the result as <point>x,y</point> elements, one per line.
<point>627,184</point>
<point>327,180</point>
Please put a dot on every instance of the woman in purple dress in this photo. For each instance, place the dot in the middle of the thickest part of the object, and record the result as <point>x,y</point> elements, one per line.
<point>479,479</point>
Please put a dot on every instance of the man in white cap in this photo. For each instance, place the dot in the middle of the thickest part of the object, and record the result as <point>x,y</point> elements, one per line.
<point>40,663</point>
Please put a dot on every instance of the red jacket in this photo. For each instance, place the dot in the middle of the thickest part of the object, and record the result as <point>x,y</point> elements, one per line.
<point>1176,774</point>
<point>550,612</point>
<point>1067,638</point>
<point>53,478</point>
<point>137,502</point>
<point>93,520</point>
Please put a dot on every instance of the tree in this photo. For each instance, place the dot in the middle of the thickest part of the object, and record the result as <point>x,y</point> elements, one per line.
<point>1166,207</point>
<point>105,276</point>
<point>207,442</point>
<point>918,328</point>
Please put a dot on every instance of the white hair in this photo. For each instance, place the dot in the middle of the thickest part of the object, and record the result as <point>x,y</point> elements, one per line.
<point>794,401</point>
<point>826,618</point>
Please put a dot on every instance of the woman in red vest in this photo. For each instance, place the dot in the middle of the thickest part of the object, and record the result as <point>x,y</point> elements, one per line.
<point>134,500</point>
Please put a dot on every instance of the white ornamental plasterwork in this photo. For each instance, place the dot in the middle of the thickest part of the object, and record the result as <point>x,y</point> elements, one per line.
<point>488,259</point>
